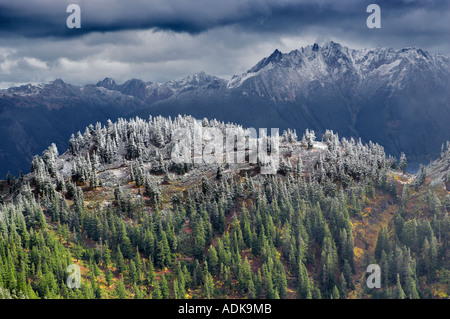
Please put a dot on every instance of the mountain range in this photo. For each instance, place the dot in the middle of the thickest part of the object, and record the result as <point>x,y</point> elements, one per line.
<point>398,98</point>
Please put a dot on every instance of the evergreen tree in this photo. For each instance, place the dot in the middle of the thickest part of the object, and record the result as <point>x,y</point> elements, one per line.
<point>120,289</point>
<point>335,293</point>
<point>212,259</point>
<point>208,285</point>
<point>165,291</point>
<point>109,277</point>
<point>157,294</point>
<point>382,244</point>
<point>398,291</point>
<point>120,263</point>
<point>402,163</point>
<point>304,288</point>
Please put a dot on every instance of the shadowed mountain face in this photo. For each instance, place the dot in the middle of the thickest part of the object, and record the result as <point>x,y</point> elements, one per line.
<point>398,98</point>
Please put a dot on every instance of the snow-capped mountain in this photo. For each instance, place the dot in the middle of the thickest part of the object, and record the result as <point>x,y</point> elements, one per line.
<point>398,98</point>
<point>284,76</point>
<point>151,92</point>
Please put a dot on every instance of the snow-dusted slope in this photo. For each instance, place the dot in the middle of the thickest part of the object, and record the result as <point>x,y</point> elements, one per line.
<point>283,76</point>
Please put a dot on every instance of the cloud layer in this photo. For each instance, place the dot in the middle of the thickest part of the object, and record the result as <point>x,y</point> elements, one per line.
<point>160,40</point>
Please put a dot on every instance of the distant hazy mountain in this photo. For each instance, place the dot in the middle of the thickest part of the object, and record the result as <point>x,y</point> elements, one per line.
<point>151,92</point>
<point>398,98</point>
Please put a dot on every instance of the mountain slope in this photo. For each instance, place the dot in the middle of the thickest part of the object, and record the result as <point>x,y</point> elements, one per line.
<point>139,224</point>
<point>398,98</point>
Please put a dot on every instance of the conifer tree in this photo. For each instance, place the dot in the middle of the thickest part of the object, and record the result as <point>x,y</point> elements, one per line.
<point>120,289</point>
<point>165,291</point>
<point>382,244</point>
<point>398,291</point>
<point>208,285</point>
<point>212,259</point>
<point>157,294</point>
<point>403,163</point>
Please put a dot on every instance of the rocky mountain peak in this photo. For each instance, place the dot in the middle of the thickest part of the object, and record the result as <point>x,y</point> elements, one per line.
<point>107,83</point>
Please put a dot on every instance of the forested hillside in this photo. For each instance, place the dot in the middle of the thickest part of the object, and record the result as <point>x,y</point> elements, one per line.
<point>141,225</point>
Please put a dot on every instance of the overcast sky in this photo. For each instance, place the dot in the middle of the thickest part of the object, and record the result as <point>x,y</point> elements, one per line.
<point>160,40</point>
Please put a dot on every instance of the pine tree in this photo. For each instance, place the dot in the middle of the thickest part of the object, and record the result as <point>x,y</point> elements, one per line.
<point>109,277</point>
<point>150,274</point>
<point>165,287</point>
<point>175,289</point>
<point>157,294</point>
<point>219,173</point>
<point>251,290</point>
<point>178,288</point>
<point>402,164</point>
<point>258,284</point>
<point>335,293</point>
<point>270,292</point>
<point>138,293</point>
<point>199,244</point>
<point>420,177</point>
<point>120,263</point>
<point>212,259</point>
<point>343,286</point>
<point>120,289</point>
<point>299,168</point>
<point>382,244</point>
<point>106,257</point>
<point>304,288</point>
<point>308,138</point>
<point>132,276</point>
<point>208,285</point>
<point>398,291</point>
<point>282,283</point>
